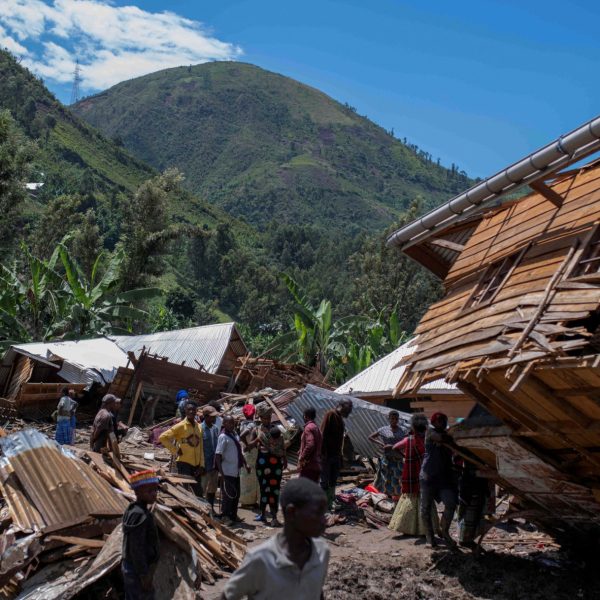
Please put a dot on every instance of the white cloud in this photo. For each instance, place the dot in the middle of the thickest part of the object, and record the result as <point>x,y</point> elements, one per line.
<point>112,43</point>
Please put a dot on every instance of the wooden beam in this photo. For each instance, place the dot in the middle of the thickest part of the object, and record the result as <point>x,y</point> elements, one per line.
<point>138,392</point>
<point>447,244</point>
<point>548,193</point>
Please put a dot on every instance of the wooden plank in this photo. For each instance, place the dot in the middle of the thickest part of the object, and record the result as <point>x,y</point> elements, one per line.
<point>447,244</point>
<point>547,192</point>
<point>136,397</point>
<point>78,541</point>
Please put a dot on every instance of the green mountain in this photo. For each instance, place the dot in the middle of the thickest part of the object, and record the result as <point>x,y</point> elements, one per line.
<point>268,148</point>
<point>68,148</point>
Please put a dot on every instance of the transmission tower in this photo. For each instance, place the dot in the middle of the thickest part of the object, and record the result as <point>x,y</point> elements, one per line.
<point>76,82</point>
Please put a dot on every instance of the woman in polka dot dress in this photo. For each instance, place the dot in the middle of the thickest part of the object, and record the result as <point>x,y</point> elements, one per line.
<point>270,464</point>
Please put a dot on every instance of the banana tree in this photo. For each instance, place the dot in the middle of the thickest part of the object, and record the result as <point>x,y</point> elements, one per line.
<point>96,305</point>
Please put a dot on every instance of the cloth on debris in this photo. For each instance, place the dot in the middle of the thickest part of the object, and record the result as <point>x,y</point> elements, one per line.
<point>185,440</point>
<point>64,432</point>
<point>407,517</point>
<point>102,427</point>
<point>309,458</point>
<point>267,573</point>
<point>269,471</point>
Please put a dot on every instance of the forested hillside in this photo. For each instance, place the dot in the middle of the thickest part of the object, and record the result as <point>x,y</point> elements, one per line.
<point>105,226</point>
<point>269,148</point>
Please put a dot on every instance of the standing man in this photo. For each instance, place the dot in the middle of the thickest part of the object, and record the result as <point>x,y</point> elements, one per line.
<point>65,417</point>
<point>438,479</point>
<point>229,459</point>
<point>210,437</point>
<point>293,563</point>
<point>184,440</point>
<point>332,429</point>
<point>309,459</point>
<point>103,424</point>
<point>140,538</point>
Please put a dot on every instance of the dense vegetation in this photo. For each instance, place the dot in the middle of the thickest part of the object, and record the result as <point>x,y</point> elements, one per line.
<point>355,296</point>
<point>269,148</point>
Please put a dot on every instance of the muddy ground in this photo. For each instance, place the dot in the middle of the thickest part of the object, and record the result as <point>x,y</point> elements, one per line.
<point>377,564</point>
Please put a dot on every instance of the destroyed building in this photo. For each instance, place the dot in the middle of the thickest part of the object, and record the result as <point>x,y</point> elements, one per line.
<point>517,328</point>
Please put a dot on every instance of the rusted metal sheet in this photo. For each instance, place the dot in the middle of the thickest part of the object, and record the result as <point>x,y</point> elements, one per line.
<point>46,485</point>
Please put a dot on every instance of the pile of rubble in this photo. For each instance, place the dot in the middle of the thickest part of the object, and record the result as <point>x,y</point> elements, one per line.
<point>60,520</point>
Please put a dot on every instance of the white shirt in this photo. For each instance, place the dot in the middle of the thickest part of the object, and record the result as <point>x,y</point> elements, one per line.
<point>266,573</point>
<point>229,455</point>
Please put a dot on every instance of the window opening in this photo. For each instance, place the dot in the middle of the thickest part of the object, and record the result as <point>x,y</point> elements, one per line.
<point>589,261</point>
<point>492,280</point>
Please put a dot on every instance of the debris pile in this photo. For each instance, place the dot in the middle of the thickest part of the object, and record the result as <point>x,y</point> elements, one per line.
<point>61,512</point>
<point>252,374</point>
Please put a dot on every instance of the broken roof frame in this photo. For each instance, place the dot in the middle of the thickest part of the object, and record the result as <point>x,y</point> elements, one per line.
<point>530,170</point>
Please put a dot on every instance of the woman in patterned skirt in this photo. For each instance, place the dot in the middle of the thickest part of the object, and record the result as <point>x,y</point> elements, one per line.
<point>407,516</point>
<point>390,463</point>
<point>270,463</point>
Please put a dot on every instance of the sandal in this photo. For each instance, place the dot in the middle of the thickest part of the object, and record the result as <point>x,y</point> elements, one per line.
<point>260,518</point>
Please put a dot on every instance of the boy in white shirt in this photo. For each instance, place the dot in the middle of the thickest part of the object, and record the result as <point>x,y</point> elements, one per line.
<point>293,563</point>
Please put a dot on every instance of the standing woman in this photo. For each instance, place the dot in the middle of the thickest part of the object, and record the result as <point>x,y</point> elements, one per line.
<point>407,517</point>
<point>250,494</point>
<point>270,463</point>
<point>390,463</point>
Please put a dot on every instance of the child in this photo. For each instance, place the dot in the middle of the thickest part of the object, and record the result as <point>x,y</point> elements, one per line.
<point>140,538</point>
<point>292,564</point>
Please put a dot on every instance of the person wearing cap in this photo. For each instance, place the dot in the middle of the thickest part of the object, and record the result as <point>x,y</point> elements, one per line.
<point>185,441</point>
<point>210,437</point>
<point>141,548</point>
<point>103,424</point>
<point>181,400</point>
<point>438,480</point>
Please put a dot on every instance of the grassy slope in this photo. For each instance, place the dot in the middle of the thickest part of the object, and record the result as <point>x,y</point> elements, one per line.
<point>66,144</point>
<point>267,147</point>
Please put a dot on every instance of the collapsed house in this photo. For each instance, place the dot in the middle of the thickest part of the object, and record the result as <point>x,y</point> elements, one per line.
<point>377,382</point>
<point>517,329</point>
<point>147,370</point>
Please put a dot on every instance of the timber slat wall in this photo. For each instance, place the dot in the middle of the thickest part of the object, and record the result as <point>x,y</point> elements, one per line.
<point>531,355</point>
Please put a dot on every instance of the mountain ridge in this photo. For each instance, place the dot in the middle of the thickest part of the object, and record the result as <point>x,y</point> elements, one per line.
<point>266,147</point>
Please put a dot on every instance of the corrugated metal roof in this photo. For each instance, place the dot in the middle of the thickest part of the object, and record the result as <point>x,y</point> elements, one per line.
<point>365,419</point>
<point>204,345</point>
<point>60,487</point>
<point>383,375</point>
<point>86,361</point>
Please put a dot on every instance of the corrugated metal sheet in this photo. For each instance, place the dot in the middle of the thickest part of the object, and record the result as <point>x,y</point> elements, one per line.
<point>383,375</point>
<point>366,417</point>
<point>53,486</point>
<point>85,361</point>
<point>205,345</point>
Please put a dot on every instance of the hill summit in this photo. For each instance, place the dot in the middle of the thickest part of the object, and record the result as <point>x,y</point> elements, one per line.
<point>266,147</point>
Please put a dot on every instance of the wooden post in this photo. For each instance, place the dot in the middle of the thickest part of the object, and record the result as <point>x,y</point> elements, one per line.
<point>138,393</point>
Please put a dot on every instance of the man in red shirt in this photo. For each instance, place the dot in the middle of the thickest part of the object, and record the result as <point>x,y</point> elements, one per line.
<point>309,459</point>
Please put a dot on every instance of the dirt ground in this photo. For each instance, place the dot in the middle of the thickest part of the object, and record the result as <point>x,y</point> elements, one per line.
<point>378,564</point>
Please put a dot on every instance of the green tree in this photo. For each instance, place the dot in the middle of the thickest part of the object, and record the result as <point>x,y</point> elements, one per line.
<point>16,154</point>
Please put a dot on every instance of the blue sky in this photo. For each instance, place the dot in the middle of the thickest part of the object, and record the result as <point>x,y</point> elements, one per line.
<point>476,83</point>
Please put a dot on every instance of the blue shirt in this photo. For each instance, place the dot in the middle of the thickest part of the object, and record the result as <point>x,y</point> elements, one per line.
<point>210,436</point>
